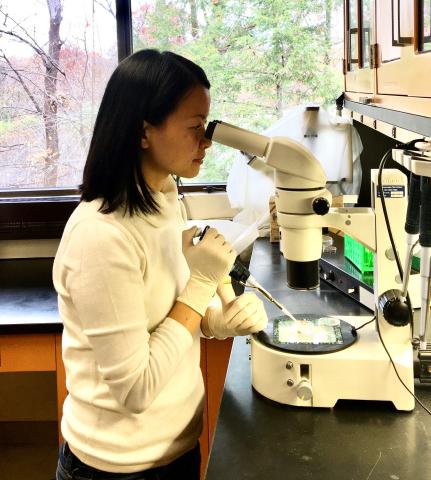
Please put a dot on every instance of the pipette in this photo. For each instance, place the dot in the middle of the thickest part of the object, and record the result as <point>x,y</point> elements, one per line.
<point>251,282</point>
<point>242,275</point>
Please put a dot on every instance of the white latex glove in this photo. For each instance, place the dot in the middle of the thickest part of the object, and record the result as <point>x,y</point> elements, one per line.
<point>210,260</point>
<point>243,316</point>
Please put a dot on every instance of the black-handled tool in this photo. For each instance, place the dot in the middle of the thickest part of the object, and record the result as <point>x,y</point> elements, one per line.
<point>242,275</point>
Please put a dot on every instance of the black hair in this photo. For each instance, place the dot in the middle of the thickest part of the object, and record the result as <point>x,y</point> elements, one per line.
<point>147,85</point>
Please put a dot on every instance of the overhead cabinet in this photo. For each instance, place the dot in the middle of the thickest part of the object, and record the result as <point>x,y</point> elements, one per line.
<point>359,37</point>
<point>388,53</point>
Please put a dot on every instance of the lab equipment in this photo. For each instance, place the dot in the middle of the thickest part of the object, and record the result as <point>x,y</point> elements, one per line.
<point>242,275</point>
<point>332,139</point>
<point>300,192</point>
<point>418,231</point>
<point>362,370</point>
<point>310,333</point>
<point>239,235</point>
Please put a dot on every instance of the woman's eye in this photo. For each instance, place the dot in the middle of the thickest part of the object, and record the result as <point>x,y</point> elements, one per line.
<point>197,127</point>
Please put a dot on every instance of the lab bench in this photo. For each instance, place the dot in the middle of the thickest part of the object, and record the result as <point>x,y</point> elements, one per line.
<point>31,330</point>
<point>30,326</point>
<point>256,438</point>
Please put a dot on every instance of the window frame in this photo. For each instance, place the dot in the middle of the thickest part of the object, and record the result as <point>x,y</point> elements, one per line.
<point>359,31</point>
<point>352,63</point>
<point>398,40</point>
<point>43,213</point>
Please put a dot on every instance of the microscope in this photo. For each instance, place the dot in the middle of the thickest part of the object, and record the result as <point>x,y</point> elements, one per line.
<point>339,362</point>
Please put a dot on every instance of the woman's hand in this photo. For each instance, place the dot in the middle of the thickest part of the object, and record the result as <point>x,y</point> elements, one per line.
<point>243,316</point>
<point>210,260</point>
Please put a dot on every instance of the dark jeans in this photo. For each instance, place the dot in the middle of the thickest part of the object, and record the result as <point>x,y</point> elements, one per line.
<point>187,467</point>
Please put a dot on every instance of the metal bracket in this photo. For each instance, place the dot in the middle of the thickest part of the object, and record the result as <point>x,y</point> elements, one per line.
<point>373,55</point>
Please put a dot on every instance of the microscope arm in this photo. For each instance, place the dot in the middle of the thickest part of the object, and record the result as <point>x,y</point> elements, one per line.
<point>357,222</point>
<point>294,164</point>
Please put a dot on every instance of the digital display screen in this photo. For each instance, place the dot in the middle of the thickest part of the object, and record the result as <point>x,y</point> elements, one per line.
<point>320,331</point>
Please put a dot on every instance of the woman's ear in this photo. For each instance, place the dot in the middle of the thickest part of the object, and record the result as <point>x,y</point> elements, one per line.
<point>144,137</point>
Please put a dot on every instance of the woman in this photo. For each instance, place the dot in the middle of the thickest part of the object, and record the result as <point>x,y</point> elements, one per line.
<point>134,290</point>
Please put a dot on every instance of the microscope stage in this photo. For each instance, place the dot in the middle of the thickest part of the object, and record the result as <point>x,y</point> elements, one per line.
<point>310,334</point>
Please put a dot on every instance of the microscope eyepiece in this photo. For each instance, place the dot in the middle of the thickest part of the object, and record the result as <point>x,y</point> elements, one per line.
<point>210,129</point>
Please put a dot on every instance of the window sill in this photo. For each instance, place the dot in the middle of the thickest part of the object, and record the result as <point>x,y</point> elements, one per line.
<point>35,217</point>
<point>43,215</point>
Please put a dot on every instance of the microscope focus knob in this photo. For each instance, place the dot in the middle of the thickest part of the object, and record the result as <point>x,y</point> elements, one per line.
<point>395,310</point>
<point>321,206</point>
<point>304,390</point>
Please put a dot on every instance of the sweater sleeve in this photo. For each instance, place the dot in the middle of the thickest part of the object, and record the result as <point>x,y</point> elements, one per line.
<point>104,279</point>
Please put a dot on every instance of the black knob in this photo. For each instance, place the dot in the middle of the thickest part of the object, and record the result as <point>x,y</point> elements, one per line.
<point>329,276</point>
<point>321,206</point>
<point>395,310</point>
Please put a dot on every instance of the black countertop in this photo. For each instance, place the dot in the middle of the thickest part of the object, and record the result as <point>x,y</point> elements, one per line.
<point>256,438</point>
<point>28,301</point>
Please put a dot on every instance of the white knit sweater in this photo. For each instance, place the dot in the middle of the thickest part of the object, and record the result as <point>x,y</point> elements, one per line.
<point>135,387</point>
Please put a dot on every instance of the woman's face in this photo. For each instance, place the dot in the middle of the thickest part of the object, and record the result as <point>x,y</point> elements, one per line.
<point>178,145</point>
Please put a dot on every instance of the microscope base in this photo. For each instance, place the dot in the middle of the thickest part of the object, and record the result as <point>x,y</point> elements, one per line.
<point>360,372</point>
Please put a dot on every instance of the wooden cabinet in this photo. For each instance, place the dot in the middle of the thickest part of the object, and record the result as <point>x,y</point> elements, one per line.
<point>404,60</point>
<point>396,71</point>
<point>42,353</point>
<point>214,362</point>
<point>35,353</point>
<point>27,353</point>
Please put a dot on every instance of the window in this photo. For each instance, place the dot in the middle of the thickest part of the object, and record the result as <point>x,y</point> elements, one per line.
<point>261,57</point>
<point>352,36</point>
<point>386,31</point>
<point>402,22</point>
<point>366,30</point>
<point>55,59</point>
<point>359,25</point>
<point>56,56</point>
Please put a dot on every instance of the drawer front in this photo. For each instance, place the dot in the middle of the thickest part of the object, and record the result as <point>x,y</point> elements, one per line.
<point>27,353</point>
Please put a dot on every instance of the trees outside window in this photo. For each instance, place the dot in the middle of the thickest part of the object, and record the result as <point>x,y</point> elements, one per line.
<point>55,59</point>
<point>261,56</point>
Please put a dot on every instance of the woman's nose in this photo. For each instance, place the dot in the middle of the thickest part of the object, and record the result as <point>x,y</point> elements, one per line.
<point>206,142</point>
